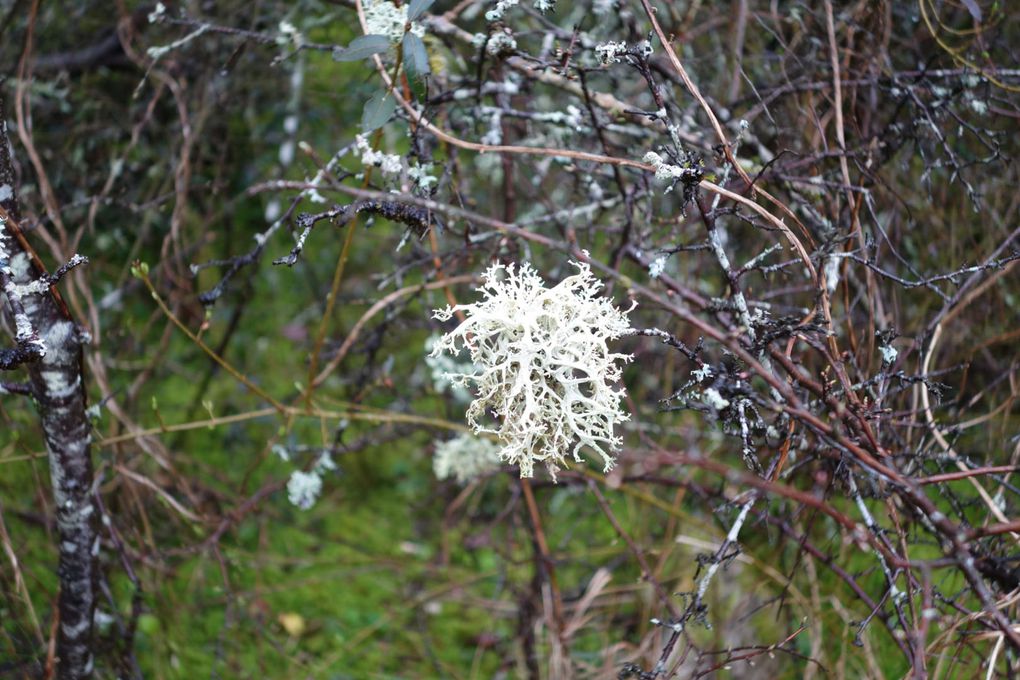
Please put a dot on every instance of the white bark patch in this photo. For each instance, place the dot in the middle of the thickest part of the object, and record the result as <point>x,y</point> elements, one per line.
<point>76,630</point>
<point>21,265</point>
<point>56,473</point>
<point>23,326</point>
<point>36,287</point>
<point>58,386</point>
<point>59,337</point>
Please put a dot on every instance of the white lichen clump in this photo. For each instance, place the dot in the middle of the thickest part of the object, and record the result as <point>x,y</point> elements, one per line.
<point>388,163</point>
<point>157,14</point>
<point>384,18</point>
<point>500,42</point>
<point>657,266</point>
<point>465,457</point>
<point>289,34</point>
<point>497,12</point>
<point>889,354</point>
<point>665,171</point>
<point>422,176</point>
<point>609,52</point>
<point>303,488</point>
<point>543,367</point>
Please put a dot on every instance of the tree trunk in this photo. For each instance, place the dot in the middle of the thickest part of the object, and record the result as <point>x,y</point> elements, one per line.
<point>54,361</point>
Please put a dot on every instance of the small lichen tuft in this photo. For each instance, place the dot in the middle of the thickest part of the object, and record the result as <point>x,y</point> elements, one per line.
<point>465,457</point>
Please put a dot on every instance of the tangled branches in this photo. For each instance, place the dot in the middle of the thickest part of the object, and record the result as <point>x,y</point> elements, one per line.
<point>813,208</point>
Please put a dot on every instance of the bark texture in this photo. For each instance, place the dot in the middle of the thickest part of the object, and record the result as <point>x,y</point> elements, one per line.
<point>57,387</point>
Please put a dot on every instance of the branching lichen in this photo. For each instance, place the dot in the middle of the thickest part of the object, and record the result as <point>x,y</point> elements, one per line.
<point>544,369</point>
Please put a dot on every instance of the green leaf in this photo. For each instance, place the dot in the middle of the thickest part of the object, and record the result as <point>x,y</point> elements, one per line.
<point>377,111</point>
<point>417,8</point>
<point>416,59</point>
<point>363,47</point>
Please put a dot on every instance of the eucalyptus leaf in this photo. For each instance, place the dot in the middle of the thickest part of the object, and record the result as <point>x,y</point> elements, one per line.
<point>363,47</point>
<point>416,59</point>
<point>417,8</point>
<point>377,111</point>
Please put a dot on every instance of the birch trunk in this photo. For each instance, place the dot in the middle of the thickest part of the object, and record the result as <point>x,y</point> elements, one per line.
<point>56,386</point>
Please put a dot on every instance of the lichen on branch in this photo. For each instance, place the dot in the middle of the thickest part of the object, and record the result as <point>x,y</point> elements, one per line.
<point>544,371</point>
